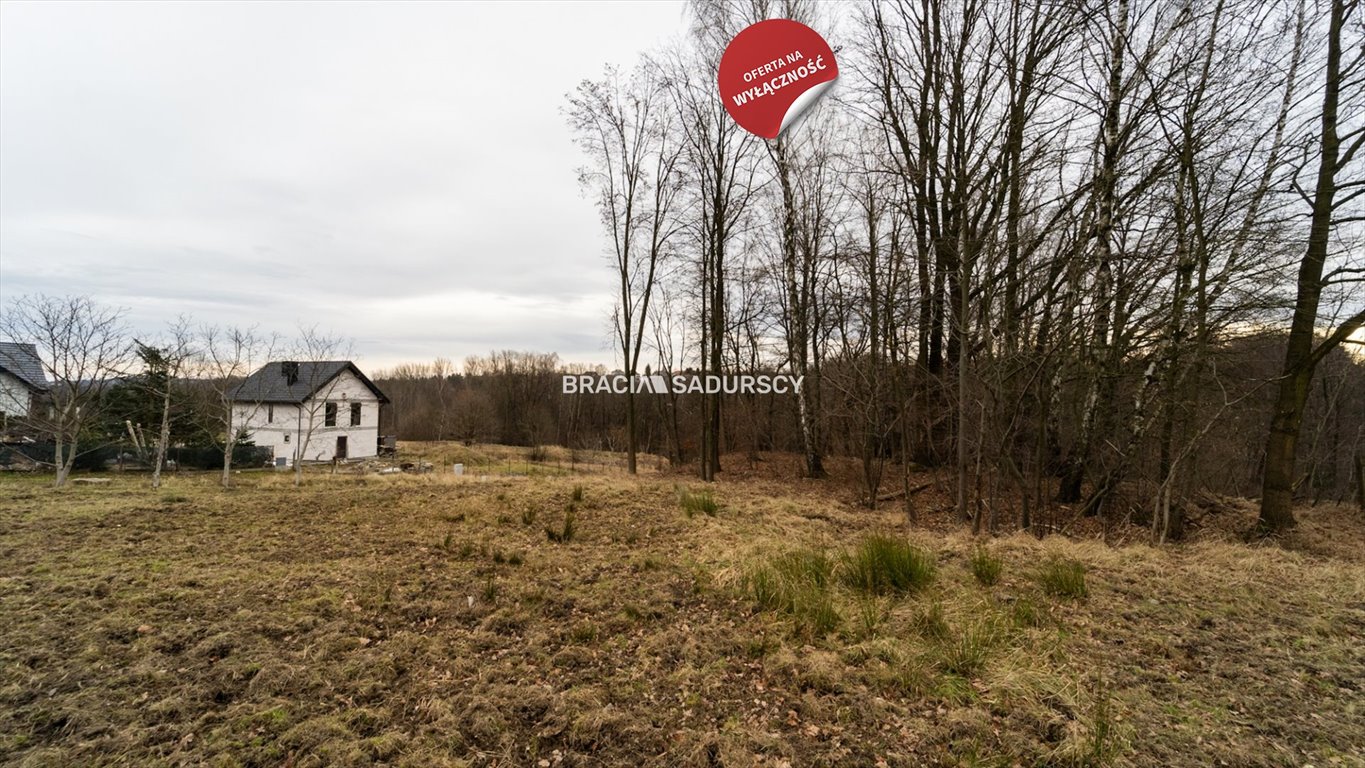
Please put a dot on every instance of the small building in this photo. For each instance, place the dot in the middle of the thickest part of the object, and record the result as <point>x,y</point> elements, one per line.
<point>23,385</point>
<point>310,411</point>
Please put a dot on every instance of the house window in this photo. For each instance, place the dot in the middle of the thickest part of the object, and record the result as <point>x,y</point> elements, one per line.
<point>355,414</point>
<point>329,417</point>
<point>270,414</point>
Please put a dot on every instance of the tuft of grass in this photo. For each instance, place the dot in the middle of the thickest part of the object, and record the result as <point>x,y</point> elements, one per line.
<point>565,533</point>
<point>760,646</point>
<point>965,653</point>
<point>173,498</point>
<point>1063,577</point>
<point>577,494</point>
<point>810,566</point>
<point>871,614</point>
<point>1101,747</point>
<point>930,622</point>
<point>490,590</point>
<point>885,565</point>
<point>796,585</point>
<point>583,632</point>
<point>986,566</point>
<point>528,516</point>
<point>1026,614</point>
<point>702,502</point>
<point>817,615</point>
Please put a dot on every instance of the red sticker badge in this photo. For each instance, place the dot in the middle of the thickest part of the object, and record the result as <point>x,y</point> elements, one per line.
<point>771,72</point>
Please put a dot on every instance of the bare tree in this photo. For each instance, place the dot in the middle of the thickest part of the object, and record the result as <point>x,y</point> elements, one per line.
<point>311,349</point>
<point>1338,143</point>
<point>166,362</point>
<point>226,356</point>
<point>84,348</point>
<point>622,124</point>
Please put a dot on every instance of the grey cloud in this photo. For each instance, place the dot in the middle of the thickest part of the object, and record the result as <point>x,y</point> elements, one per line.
<point>333,164</point>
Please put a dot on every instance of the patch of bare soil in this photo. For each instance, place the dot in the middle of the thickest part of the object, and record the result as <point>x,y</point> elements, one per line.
<point>571,621</point>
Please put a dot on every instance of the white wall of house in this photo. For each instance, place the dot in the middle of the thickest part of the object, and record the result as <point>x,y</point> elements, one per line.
<point>284,426</point>
<point>15,396</point>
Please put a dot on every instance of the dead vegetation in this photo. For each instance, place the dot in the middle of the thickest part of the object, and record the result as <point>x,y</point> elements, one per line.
<point>431,620</point>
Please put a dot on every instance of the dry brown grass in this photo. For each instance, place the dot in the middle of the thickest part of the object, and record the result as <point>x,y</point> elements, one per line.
<point>429,621</point>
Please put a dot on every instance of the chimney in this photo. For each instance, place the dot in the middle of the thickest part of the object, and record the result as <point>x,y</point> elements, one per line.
<point>291,372</point>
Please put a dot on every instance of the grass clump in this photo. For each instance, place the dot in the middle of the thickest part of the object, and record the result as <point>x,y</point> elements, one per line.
<point>885,565</point>
<point>1025,614</point>
<point>871,614</point>
<point>811,566</point>
<point>796,585</point>
<point>577,494</point>
<point>565,533</point>
<point>986,566</point>
<point>965,653</point>
<point>1063,577</point>
<point>931,623</point>
<point>702,502</point>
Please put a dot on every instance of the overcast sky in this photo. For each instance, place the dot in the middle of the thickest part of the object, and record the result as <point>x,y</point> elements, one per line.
<point>400,174</point>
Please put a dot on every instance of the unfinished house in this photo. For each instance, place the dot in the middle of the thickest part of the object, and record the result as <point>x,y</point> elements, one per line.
<point>310,411</point>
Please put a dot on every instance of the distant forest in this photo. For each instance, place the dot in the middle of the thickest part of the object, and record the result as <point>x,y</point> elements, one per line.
<point>515,398</point>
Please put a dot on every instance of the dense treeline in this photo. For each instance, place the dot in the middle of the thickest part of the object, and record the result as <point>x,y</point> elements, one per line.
<point>520,403</point>
<point>1051,246</point>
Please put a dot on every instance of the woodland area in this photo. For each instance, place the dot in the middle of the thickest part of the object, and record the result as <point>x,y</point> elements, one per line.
<point>1087,253</point>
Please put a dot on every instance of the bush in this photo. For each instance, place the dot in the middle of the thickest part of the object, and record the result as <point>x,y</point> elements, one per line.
<point>703,502</point>
<point>986,566</point>
<point>882,565</point>
<point>1062,577</point>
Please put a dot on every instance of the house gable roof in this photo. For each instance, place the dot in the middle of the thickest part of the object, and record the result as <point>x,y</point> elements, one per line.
<point>269,384</point>
<point>22,362</point>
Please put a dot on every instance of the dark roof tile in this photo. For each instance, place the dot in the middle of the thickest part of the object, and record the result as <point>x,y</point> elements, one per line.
<point>270,385</point>
<point>22,361</point>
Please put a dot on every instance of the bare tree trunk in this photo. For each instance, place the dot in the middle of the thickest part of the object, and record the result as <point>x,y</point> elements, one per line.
<point>59,459</point>
<point>1301,357</point>
<point>163,437</point>
<point>632,441</point>
<point>1360,481</point>
<point>228,445</point>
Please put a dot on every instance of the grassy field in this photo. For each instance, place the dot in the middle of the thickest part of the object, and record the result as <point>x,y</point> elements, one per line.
<point>565,619</point>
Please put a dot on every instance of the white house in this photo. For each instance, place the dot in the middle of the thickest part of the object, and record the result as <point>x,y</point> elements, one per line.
<point>315,411</point>
<point>22,382</point>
